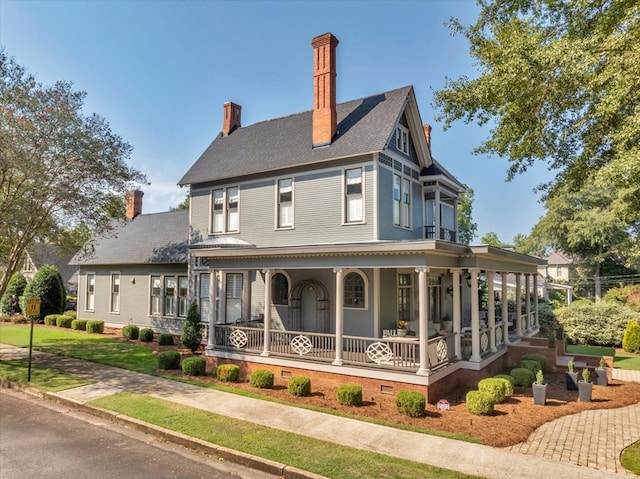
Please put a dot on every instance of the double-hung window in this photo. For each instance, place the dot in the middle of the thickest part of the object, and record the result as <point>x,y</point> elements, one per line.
<point>402,139</point>
<point>183,294</point>
<point>205,296</point>
<point>91,292</point>
<point>401,201</point>
<point>405,292</point>
<point>169,296</point>
<point>156,295</point>
<point>353,195</point>
<point>234,297</point>
<point>115,293</point>
<point>225,210</point>
<point>285,203</point>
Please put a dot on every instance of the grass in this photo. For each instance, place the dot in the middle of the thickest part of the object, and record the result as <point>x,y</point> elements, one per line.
<point>49,379</point>
<point>320,457</point>
<point>630,458</point>
<point>619,361</point>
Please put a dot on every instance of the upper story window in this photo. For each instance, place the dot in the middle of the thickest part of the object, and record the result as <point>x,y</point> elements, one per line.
<point>354,291</point>
<point>402,139</point>
<point>225,214</point>
<point>401,201</point>
<point>115,293</point>
<point>354,210</point>
<point>285,203</point>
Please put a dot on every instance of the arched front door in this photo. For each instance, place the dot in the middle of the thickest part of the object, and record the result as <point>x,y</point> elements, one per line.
<point>309,307</point>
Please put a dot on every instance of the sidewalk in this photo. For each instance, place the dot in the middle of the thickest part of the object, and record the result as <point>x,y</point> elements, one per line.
<point>528,460</point>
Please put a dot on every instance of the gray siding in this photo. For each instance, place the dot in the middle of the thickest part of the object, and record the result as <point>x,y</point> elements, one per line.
<point>387,230</point>
<point>199,210</point>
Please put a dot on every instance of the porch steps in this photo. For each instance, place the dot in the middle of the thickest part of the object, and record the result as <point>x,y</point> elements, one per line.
<point>562,361</point>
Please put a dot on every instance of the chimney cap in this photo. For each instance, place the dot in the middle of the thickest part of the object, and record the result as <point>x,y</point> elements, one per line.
<point>323,39</point>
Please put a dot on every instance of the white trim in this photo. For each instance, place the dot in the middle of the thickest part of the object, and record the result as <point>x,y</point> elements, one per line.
<point>111,276</point>
<point>276,226</point>
<point>289,284</point>
<point>362,274</point>
<point>343,181</point>
<point>86,292</point>
<point>225,209</point>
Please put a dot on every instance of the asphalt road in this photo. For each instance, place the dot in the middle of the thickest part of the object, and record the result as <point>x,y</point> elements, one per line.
<point>39,439</point>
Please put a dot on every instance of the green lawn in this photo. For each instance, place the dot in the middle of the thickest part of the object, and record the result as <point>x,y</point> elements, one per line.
<point>630,458</point>
<point>619,361</point>
<point>44,378</point>
<point>320,457</point>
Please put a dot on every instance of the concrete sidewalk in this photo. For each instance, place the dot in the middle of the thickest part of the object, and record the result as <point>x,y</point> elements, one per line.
<point>515,462</point>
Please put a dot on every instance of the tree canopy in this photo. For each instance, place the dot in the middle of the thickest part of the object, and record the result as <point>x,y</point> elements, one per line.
<point>466,227</point>
<point>559,82</point>
<point>60,170</point>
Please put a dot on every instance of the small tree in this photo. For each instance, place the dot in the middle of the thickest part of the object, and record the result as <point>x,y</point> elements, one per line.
<point>15,289</point>
<point>192,329</point>
<point>47,285</point>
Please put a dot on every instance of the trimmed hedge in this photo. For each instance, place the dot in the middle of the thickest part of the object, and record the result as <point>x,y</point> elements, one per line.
<point>496,387</point>
<point>79,324</point>
<point>228,372</point>
<point>350,395</point>
<point>95,326</point>
<point>300,386</point>
<point>261,378</point>
<point>522,377</point>
<point>131,331</point>
<point>169,360</point>
<point>194,366</point>
<point>71,313</point>
<point>541,358</point>
<point>508,380</point>
<point>146,335</point>
<point>601,324</point>
<point>531,365</point>
<point>50,319</point>
<point>165,339</point>
<point>63,321</point>
<point>480,403</point>
<point>411,403</point>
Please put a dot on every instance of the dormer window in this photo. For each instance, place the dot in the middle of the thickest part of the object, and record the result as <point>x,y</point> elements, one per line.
<point>402,139</point>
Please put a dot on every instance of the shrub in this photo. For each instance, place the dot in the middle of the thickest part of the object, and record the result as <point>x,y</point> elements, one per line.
<point>192,329</point>
<point>195,366</point>
<point>15,289</point>
<point>631,338</point>
<point>130,331</point>
<point>228,372</point>
<point>547,319</point>
<point>18,319</point>
<point>95,326</point>
<point>165,339</point>
<point>522,377</point>
<point>262,379</point>
<point>350,395</point>
<point>48,286</point>
<point>146,335</point>
<point>508,382</point>
<point>300,386</point>
<point>169,360</point>
<point>495,387</point>
<point>480,403</point>
<point>50,319</point>
<point>531,365</point>
<point>541,358</point>
<point>600,324</point>
<point>63,321</point>
<point>410,403</point>
<point>71,313</point>
<point>79,324</point>
<point>5,317</point>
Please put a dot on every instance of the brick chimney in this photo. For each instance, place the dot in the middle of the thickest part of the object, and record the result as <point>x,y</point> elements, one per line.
<point>324,89</point>
<point>231,119</point>
<point>133,204</point>
<point>427,134</point>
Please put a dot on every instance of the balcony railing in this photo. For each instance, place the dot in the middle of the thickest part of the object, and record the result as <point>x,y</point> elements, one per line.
<point>445,234</point>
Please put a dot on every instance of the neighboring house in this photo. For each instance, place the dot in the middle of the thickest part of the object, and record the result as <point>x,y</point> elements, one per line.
<point>137,273</point>
<point>559,267</point>
<point>41,254</point>
<point>313,236</point>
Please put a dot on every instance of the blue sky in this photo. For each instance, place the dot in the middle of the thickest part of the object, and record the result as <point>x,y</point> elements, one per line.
<point>159,72</point>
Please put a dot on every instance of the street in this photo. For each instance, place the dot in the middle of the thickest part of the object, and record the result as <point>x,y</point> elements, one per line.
<point>40,439</point>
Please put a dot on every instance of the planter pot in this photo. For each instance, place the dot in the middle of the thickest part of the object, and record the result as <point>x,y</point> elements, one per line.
<point>539,394</point>
<point>572,381</point>
<point>402,332</point>
<point>602,376</point>
<point>584,391</point>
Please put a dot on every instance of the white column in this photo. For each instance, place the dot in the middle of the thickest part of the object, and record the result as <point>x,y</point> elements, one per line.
<point>475,317</point>
<point>376,303</point>
<point>457,319</point>
<point>535,301</point>
<point>491,305</point>
<point>339,316</point>
<point>213,284</point>
<point>505,307</point>
<point>527,301</point>
<point>519,304</point>
<point>423,315</point>
<point>267,313</point>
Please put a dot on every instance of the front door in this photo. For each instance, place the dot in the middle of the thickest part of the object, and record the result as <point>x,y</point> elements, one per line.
<point>308,301</point>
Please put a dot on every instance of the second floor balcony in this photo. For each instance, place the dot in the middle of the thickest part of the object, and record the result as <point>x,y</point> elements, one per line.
<point>445,234</point>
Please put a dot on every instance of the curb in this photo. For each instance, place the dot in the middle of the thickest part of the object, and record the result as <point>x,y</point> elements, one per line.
<point>195,444</point>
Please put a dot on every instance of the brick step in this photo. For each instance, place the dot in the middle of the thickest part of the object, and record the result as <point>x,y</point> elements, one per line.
<point>564,360</point>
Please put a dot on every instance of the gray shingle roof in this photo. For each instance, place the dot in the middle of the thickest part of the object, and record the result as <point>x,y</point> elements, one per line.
<point>153,238</point>
<point>54,255</point>
<point>364,125</point>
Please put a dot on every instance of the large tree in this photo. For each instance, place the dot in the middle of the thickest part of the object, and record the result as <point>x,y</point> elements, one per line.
<point>466,227</point>
<point>59,169</point>
<point>559,82</point>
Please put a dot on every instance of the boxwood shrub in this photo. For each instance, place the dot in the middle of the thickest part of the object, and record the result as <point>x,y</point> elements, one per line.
<point>522,377</point>
<point>71,312</point>
<point>261,378</point>
<point>350,395</point>
<point>300,386</point>
<point>165,339</point>
<point>194,366</point>
<point>95,326</point>
<point>79,324</point>
<point>495,387</point>
<point>131,331</point>
<point>411,403</point>
<point>146,335</point>
<point>509,382</point>
<point>169,360</point>
<point>541,358</point>
<point>480,403</point>
<point>228,372</point>
<point>531,365</point>
<point>50,319</point>
<point>63,321</point>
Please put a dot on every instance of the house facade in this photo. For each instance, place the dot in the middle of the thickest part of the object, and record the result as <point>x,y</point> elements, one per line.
<point>326,242</point>
<point>41,254</point>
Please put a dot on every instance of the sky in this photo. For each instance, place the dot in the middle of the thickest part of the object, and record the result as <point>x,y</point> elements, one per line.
<point>160,71</point>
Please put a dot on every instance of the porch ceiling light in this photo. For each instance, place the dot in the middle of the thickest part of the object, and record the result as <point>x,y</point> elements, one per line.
<point>468,278</point>
<point>450,290</point>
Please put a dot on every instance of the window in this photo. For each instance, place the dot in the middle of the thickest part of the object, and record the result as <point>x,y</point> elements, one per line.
<point>559,271</point>
<point>156,294</point>
<point>285,203</point>
<point>402,139</point>
<point>204,296</point>
<point>225,213</point>
<point>354,291</point>
<point>115,293</point>
<point>405,292</point>
<point>279,289</point>
<point>435,297</point>
<point>91,289</point>
<point>169,296</point>
<point>183,296</point>
<point>353,195</point>
<point>401,201</point>
<point>234,297</point>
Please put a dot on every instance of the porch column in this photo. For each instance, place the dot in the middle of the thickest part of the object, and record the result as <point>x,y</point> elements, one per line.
<point>213,283</point>
<point>457,320</point>
<point>475,318</point>
<point>505,308</point>
<point>491,306</point>
<point>339,316</point>
<point>535,300</point>
<point>267,313</point>
<point>527,302</point>
<point>423,315</point>
<point>519,304</point>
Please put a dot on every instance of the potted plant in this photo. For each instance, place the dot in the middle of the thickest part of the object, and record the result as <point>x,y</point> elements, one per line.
<point>602,373</point>
<point>539,389</point>
<point>585,386</point>
<point>402,327</point>
<point>571,377</point>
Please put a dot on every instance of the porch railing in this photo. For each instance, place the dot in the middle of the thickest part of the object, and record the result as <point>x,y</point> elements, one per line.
<point>444,234</point>
<point>485,341</point>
